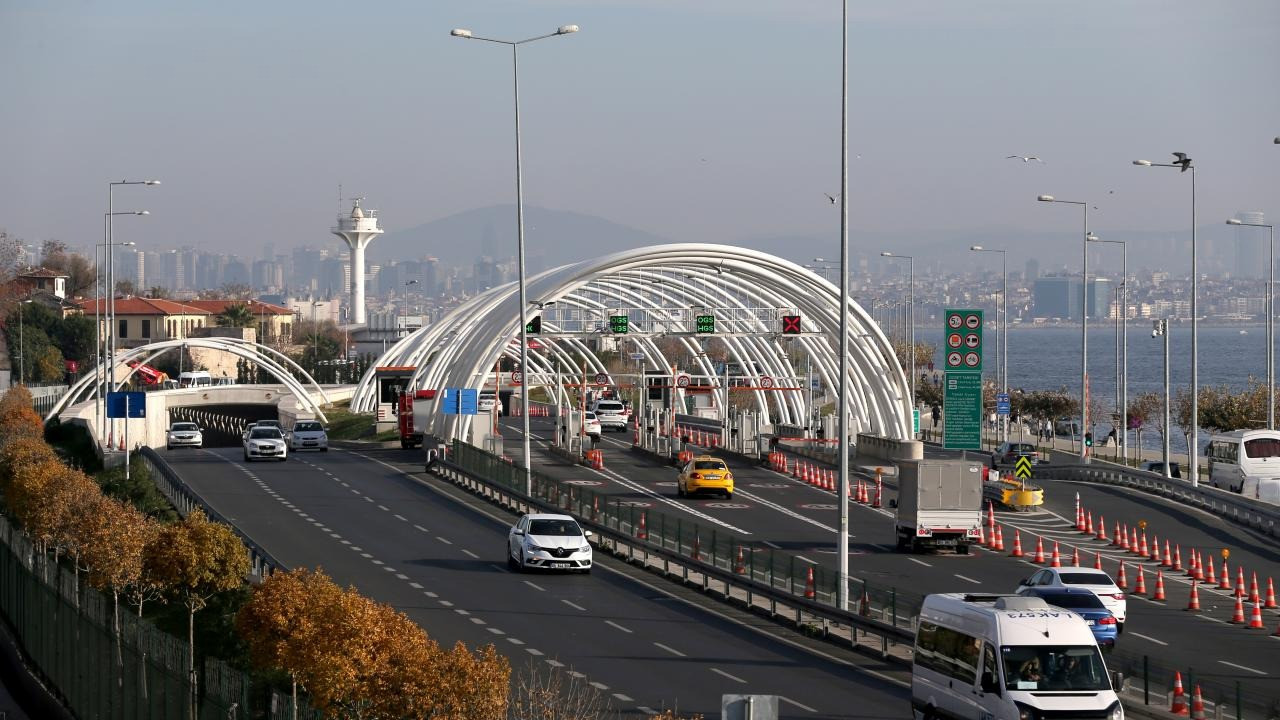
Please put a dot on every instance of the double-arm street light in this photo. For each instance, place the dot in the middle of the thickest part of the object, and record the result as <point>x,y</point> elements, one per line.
<point>1084,323</point>
<point>911,310</point>
<point>524,306</point>
<point>1123,387</point>
<point>1271,318</point>
<point>1183,163</point>
<point>109,339</point>
<point>1002,364</point>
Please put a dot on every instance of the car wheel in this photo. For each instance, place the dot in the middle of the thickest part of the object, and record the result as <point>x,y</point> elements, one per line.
<point>246,456</point>
<point>1119,628</point>
<point>168,447</point>
<point>728,495</point>
<point>586,571</point>
<point>511,561</point>
<point>324,449</point>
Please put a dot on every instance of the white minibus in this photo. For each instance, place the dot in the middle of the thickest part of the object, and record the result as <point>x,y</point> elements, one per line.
<point>1004,657</point>
<point>195,378</point>
<point>1253,454</point>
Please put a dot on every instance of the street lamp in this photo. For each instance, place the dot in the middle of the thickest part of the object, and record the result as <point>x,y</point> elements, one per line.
<point>1084,324</point>
<point>911,308</point>
<point>109,341</point>
<point>1183,163</point>
<point>22,347</point>
<point>1160,328</point>
<point>1124,350</point>
<point>842,546</point>
<point>524,336</point>
<point>1271,316</point>
<point>1003,363</point>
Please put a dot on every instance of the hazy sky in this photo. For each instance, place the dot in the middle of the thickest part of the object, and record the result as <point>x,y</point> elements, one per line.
<point>711,120</point>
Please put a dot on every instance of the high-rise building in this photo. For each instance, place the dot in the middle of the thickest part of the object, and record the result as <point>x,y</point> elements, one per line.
<point>1059,297</point>
<point>1251,246</point>
<point>1032,271</point>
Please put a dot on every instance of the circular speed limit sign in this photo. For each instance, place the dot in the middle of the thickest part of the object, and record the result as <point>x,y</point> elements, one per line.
<point>954,359</point>
<point>682,381</point>
<point>517,377</point>
<point>971,322</point>
<point>972,359</point>
<point>955,321</point>
<point>953,340</point>
<point>766,381</point>
<point>602,379</point>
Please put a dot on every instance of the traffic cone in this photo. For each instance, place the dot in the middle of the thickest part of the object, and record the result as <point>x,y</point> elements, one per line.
<point>879,487</point>
<point>982,538</point>
<point>1253,589</point>
<point>1225,582</point>
<point>697,547</point>
<point>1121,581</point>
<point>1017,551</point>
<point>1179,704</point>
<point>1193,603</point>
<point>595,507</point>
<point>1270,604</point>
<point>809,591</point>
<point>1079,517</point>
<point>1075,557</point>
<point>999,546</point>
<point>1237,617</point>
<point>1177,558</point>
<point>991,516</point>
<point>1124,539</point>
<point>1144,550</point>
<point>1197,705</point>
<point>1239,591</point>
<point>1102,528</point>
<point>642,532</point>
<point>1116,538</point>
<point>1159,593</point>
<point>1255,618</point>
<point>1134,547</point>
<point>1056,560</point>
<point>1211,578</point>
<point>1097,561</point>
<point>1155,549</point>
<point>1168,557</point>
<point>1039,558</point>
<point>1088,523</point>
<point>1199,567</point>
<point>740,565</point>
<point>864,604</point>
<point>1141,587</point>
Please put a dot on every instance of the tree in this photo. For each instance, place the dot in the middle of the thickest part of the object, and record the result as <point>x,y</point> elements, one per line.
<point>113,552</point>
<point>235,291</point>
<point>81,273</point>
<point>195,559</point>
<point>1146,410</point>
<point>158,292</point>
<point>237,315</point>
<point>75,337</point>
<point>18,419</point>
<point>126,288</point>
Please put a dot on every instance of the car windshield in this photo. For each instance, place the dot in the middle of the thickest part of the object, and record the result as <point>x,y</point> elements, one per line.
<point>1054,667</point>
<point>268,423</point>
<point>708,465</point>
<point>609,407</point>
<point>1080,600</point>
<point>559,528</point>
<point>591,416</point>
<point>261,433</point>
<point>1262,448</point>
<point>1085,578</point>
<point>308,427</point>
<point>184,427</point>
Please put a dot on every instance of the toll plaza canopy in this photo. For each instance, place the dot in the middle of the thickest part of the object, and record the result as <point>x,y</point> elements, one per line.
<point>769,313</point>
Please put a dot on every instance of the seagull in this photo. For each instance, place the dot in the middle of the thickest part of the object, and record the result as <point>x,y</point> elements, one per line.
<point>1025,158</point>
<point>831,197</point>
<point>1182,160</point>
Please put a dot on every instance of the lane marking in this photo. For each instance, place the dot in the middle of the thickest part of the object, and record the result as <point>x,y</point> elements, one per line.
<point>478,621</point>
<point>1242,667</point>
<point>460,611</point>
<point>515,641</point>
<point>599,686</point>
<point>801,557</point>
<point>444,540</point>
<point>919,562</point>
<point>1148,637</point>
<point>785,510</point>
<point>646,710</point>
<point>415,586</point>
<point>573,605</point>
<point>401,518</point>
<point>622,698</point>
<point>802,706</point>
<point>775,547</point>
<point>535,586</point>
<point>632,485</point>
<point>477,557</point>
<point>575,674</point>
<point>533,651</point>
<point>734,678</point>
<point>496,631</point>
<point>499,568</point>
<point>384,508</point>
<point>616,625</point>
<point>356,548</point>
<point>1212,619</point>
<point>445,603</point>
<point>670,649</point>
<point>554,663</point>
<point>969,579</point>
<point>402,576</point>
<point>422,528</point>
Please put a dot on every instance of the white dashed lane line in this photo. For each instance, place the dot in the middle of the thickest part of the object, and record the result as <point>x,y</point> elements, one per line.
<point>573,605</point>
<point>622,698</point>
<point>1242,667</point>
<point>468,552</point>
<point>1148,638</point>
<point>802,706</point>
<point>734,678</point>
<point>446,541</point>
<point>671,650</point>
<point>619,627</point>
<point>535,586</point>
<point>919,562</point>
<point>384,508</point>
<point>969,579</point>
<point>419,527</point>
<point>401,518</point>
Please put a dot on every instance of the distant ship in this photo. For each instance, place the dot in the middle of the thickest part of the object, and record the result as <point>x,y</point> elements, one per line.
<point>1244,332</point>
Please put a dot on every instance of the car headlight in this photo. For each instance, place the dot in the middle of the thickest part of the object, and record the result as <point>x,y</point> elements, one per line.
<point>1025,712</point>
<point>528,545</point>
<point>1117,712</point>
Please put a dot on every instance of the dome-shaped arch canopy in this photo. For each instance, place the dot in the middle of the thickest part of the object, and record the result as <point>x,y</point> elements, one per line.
<point>662,290</point>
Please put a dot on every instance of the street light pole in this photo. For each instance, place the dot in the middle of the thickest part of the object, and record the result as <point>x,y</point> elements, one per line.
<point>524,336</point>
<point>1160,328</point>
<point>842,547</point>
<point>1123,387</point>
<point>1002,365</point>
<point>1271,320</point>
<point>911,310</point>
<point>1084,324</point>
<point>1184,164</point>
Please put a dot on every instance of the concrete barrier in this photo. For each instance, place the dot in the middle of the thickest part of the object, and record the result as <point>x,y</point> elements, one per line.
<point>880,448</point>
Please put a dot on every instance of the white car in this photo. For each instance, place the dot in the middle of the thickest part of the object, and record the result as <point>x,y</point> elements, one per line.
<point>264,443</point>
<point>1095,581</point>
<point>184,434</point>
<point>611,414</point>
<point>487,401</point>
<point>309,435</point>
<point>552,542</point>
<point>591,426</point>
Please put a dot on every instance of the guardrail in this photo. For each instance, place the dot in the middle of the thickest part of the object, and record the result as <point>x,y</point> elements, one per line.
<point>1250,513</point>
<point>761,577</point>
<point>184,500</point>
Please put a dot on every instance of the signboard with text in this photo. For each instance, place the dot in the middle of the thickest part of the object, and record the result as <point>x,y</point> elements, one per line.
<point>962,411</point>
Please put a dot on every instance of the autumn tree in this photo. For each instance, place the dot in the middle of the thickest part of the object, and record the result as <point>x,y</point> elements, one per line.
<point>80,272</point>
<point>194,560</point>
<point>113,552</point>
<point>1146,411</point>
<point>17,417</point>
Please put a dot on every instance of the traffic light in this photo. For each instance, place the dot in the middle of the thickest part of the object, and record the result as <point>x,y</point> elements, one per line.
<point>1088,439</point>
<point>534,326</point>
<point>790,324</point>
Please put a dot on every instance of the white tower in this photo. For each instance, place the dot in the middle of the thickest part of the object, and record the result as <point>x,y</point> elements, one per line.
<point>358,230</point>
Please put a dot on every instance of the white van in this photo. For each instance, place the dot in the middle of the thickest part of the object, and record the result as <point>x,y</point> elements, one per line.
<point>1003,657</point>
<point>195,378</point>
<point>1242,454</point>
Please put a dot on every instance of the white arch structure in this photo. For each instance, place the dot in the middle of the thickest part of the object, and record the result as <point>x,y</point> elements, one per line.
<point>273,361</point>
<point>665,281</point>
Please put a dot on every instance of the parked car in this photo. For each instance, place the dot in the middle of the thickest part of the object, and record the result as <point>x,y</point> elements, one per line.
<point>1008,453</point>
<point>1085,604</point>
<point>1095,581</point>
<point>309,435</point>
<point>705,473</point>
<point>1157,467</point>
<point>265,442</point>
<point>548,541</point>
<point>184,434</point>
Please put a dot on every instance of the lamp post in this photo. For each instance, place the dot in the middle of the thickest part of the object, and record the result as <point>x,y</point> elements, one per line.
<point>524,336</point>
<point>109,339</point>
<point>1124,347</point>
<point>1084,324</point>
<point>1003,363</point>
<point>1183,163</point>
<point>842,547</point>
<point>1160,328</point>
<point>1271,317</point>
<point>911,309</point>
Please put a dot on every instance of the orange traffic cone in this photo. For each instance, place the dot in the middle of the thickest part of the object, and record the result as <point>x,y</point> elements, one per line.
<point>1056,560</point>
<point>999,545</point>
<point>1239,591</point>
<point>1211,578</point>
<point>1134,547</point>
<point>642,532</point>
<point>1121,581</point>
<point>1193,603</point>
<point>1199,571</point>
<point>879,488</point>
<point>1075,557</point>
<point>1141,587</point>
<point>1177,558</point>
<point>1225,582</point>
<point>1039,558</point>
<point>809,591</point>
<point>1179,704</point>
<point>1270,604</point>
<point>1118,539</point>
<point>982,538</point>
<point>1159,594</point>
<point>864,604</point>
<point>1155,549</point>
<point>1097,561</point>
<point>1255,618</point>
<point>740,565</point>
<point>1088,523</point>
<point>697,547</point>
<point>1017,551</point>
<point>1237,617</point>
<point>1144,550</point>
<point>1102,528</point>
<point>1168,557</point>
<point>1197,705</point>
<point>1253,589</point>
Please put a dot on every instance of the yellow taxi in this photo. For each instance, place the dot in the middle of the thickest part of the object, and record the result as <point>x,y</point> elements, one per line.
<point>705,474</point>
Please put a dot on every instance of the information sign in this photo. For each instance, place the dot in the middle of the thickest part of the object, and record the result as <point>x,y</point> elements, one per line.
<point>705,324</point>
<point>460,401</point>
<point>619,324</point>
<point>1002,403</point>
<point>963,337</point>
<point>962,411</point>
<point>637,356</point>
<point>126,404</point>
<point>915,421</point>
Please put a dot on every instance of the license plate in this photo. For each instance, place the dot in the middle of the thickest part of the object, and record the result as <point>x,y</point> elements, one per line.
<point>1090,622</point>
<point>711,477</point>
<point>946,542</point>
<point>559,564</point>
<point>308,444</point>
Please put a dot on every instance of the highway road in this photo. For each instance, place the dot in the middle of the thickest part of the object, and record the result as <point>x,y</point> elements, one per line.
<point>374,520</point>
<point>787,514</point>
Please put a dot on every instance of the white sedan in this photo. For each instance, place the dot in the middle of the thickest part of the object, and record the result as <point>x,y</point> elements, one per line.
<point>1095,581</point>
<point>309,435</point>
<point>264,443</point>
<point>184,434</point>
<point>553,542</point>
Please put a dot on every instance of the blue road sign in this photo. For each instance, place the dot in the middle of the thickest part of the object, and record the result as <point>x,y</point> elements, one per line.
<point>1002,403</point>
<point>461,401</point>
<point>126,405</point>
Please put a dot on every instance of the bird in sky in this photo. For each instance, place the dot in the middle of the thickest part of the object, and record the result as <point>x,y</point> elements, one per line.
<point>831,197</point>
<point>1025,158</point>
<point>1182,160</point>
